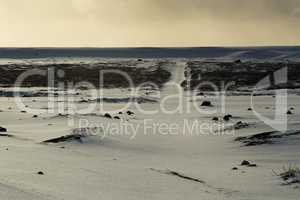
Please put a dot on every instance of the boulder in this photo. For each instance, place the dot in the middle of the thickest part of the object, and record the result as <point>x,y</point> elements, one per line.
<point>245,163</point>
<point>3,130</point>
<point>240,125</point>
<point>206,103</point>
<point>40,173</point>
<point>289,112</point>
<point>237,61</point>
<point>215,119</point>
<point>252,165</point>
<point>108,116</point>
<point>227,117</point>
<point>130,112</point>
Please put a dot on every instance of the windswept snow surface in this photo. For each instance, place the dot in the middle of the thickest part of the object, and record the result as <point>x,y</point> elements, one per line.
<point>143,163</point>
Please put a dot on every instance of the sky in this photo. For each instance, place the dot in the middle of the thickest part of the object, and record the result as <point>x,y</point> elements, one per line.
<point>145,23</point>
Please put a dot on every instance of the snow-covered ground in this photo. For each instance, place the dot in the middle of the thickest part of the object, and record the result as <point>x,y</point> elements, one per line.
<point>146,161</point>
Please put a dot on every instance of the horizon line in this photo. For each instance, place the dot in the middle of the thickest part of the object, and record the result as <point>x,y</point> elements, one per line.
<point>142,47</point>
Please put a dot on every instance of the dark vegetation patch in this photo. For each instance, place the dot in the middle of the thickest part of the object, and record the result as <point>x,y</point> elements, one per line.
<point>290,175</point>
<point>243,74</point>
<point>266,138</point>
<point>76,73</point>
<point>67,138</point>
<point>177,174</point>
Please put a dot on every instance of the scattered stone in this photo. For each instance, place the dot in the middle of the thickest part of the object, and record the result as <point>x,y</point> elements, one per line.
<point>35,116</point>
<point>240,125</point>
<point>140,60</point>
<point>289,112</point>
<point>215,119</point>
<point>206,103</point>
<point>3,130</point>
<point>227,117</point>
<point>116,117</point>
<point>120,113</point>
<point>252,165</point>
<point>292,108</point>
<point>238,62</point>
<point>272,137</point>
<point>234,168</point>
<point>108,116</point>
<point>40,173</point>
<point>245,163</point>
<point>83,101</point>
<point>73,137</point>
<point>23,111</point>
<point>130,113</point>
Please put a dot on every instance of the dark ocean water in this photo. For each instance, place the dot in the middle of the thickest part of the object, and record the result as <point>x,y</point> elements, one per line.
<point>201,52</point>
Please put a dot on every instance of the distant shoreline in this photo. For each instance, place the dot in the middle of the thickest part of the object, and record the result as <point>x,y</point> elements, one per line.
<point>262,52</point>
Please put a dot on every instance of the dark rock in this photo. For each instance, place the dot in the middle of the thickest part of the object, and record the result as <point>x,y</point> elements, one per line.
<point>227,117</point>
<point>240,125</point>
<point>252,165</point>
<point>238,62</point>
<point>206,103</point>
<point>130,113</point>
<point>40,173</point>
<point>3,130</point>
<point>120,113</point>
<point>34,116</point>
<point>289,112</point>
<point>73,137</point>
<point>215,119</point>
<point>84,101</point>
<point>140,60</point>
<point>234,168</point>
<point>23,111</point>
<point>245,163</point>
<point>108,116</point>
<point>249,109</point>
<point>116,117</point>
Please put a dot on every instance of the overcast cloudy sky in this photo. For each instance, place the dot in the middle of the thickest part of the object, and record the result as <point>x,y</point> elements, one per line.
<point>110,23</point>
